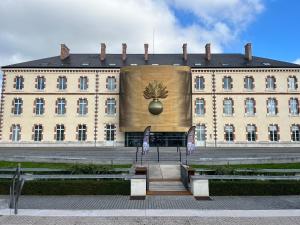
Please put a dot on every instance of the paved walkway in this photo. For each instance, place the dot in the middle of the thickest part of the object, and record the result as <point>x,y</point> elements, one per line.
<point>127,155</point>
<point>27,220</point>
<point>156,202</point>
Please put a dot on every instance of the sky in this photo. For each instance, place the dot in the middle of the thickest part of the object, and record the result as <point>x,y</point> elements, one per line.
<point>33,29</point>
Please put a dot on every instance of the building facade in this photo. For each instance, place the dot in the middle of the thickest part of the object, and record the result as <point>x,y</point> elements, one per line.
<point>76,99</point>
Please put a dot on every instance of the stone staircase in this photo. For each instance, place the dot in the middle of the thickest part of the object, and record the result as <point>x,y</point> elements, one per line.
<point>165,180</point>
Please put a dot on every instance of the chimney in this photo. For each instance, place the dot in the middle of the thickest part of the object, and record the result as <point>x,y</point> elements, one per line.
<point>103,52</point>
<point>207,52</point>
<point>248,51</point>
<point>146,57</point>
<point>124,47</point>
<point>64,52</point>
<point>184,51</point>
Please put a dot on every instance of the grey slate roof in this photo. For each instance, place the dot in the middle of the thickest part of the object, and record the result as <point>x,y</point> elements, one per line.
<point>115,61</point>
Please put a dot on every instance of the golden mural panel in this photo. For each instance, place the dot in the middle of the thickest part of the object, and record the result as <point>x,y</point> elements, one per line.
<point>156,96</point>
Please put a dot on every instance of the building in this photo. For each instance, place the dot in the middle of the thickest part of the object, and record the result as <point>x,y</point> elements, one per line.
<point>108,99</point>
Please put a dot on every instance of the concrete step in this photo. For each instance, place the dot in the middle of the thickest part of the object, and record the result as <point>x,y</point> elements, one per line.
<point>166,186</point>
<point>159,171</point>
<point>168,193</point>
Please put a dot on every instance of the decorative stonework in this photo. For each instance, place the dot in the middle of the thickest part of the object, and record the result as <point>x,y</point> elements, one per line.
<point>155,90</point>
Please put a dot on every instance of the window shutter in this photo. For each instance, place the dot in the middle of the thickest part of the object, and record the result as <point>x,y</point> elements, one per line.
<point>87,82</point>
<point>15,82</point>
<point>232,106</point>
<point>278,132</point>
<point>107,82</point>
<point>204,105</point>
<point>254,106</point>
<point>32,136</point>
<point>290,100</point>
<point>223,85</point>
<point>79,82</point>
<point>36,80</point>
<point>245,82</point>
<point>65,106</point>
<point>44,82</point>
<point>231,83</point>
<point>55,132</point>
<point>57,82</point>
<point>105,106</point>
<point>298,105</point>
<point>255,133</point>
<point>77,136</point>
<point>296,83</point>
<point>34,106</point>
<point>267,105</point>
<point>276,106</point>
<point>78,105</point>
<point>195,82</point>
<point>245,106</point>
<point>56,106</point>
<point>195,106</point>
<point>19,134</point>
<point>274,82</point>
<point>12,106</point>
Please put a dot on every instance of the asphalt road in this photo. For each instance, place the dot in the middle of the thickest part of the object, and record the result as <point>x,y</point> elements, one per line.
<point>128,155</point>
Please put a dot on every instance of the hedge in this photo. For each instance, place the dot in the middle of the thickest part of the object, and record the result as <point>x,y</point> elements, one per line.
<point>71,187</point>
<point>253,187</point>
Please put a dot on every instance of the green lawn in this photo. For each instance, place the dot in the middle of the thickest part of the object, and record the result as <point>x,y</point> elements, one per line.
<point>254,166</point>
<point>4,164</point>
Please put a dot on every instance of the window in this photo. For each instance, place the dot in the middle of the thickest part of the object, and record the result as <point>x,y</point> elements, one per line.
<point>200,106</point>
<point>59,132</point>
<point>62,83</point>
<point>37,132</point>
<point>294,106</point>
<point>60,106</point>
<point>273,133</point>
<point>200,132</point>
<point>110,132</point>
<point>81,132</point>
<point>227,83</point>
<point>15,133</point>
<point>229,132</point>
<point>271,83</point>
<point>250,106</point>
<point>292,83</point>
<point>249,83</point>
<point>39,106</point>
<point>110,108</point>
<point>251,132</point>
<point>17,106</point>
<point>272,106</point>
<point>40,83</point>
<point>82,106</point>
<point>83,83</point>
<point>228,106</point>
<point>111,83</point>
<point>19,83</point>
<point>199,83</point>
<point>295,132</point>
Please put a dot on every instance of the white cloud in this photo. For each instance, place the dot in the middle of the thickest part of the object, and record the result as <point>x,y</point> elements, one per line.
<point>34,28</point>
<point>297,61</point>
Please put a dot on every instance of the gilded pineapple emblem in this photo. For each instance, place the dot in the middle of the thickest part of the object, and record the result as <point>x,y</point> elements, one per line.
<point>155,90</point>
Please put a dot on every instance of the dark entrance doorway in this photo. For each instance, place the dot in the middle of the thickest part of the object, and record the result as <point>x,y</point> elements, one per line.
<point>162,139</point>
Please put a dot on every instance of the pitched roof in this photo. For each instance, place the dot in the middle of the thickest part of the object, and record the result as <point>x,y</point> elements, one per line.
<point>115,61</point>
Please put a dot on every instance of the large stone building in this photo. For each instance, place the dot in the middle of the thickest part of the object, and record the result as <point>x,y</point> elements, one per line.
<point>108,99</point>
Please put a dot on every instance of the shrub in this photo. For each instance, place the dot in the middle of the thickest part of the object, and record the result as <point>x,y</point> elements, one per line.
<point>71,187</point>
<point>91,169</point>
<point>253,187</point>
